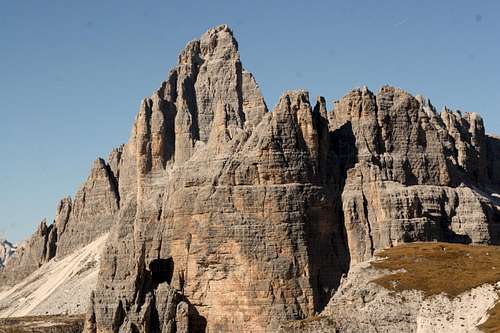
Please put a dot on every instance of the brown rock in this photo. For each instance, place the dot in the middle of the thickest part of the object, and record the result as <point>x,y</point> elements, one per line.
<point>77,223</point>
<point>224,217</point>
<point>255,216</point>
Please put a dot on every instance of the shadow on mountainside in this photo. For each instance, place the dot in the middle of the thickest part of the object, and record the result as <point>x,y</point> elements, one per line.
<point>328,246</point>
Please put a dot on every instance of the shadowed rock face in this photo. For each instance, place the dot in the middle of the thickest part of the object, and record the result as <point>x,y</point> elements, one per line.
<point>225,217</point>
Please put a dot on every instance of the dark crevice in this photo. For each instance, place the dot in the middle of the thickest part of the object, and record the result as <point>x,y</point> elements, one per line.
<point>239,91</point>
<point>113,180</point>
<point>169,111</point>
<point>368,225</point>
<point>118,317</point>
<point>328,248</point>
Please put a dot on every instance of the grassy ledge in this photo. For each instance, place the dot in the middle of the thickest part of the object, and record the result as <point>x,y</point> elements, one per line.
<point>436,268</point>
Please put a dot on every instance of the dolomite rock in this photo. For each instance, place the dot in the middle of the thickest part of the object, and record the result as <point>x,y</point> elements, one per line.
<point>30,255</point>
<point>224,217</point>
<point>380,214</point>
<point>493,160</point>
<point>91,213</point>
<point>412,174</point>
<point>220,218</point>
<point>77,223</point>
<point>255,216</point>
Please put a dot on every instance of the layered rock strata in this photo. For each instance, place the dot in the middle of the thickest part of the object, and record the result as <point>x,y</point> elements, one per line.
<point>226,217</point>
<point>254,216</point>
<point>78,222</point>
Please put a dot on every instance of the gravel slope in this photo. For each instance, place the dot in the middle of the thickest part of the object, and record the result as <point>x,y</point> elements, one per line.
<point>62,286</point>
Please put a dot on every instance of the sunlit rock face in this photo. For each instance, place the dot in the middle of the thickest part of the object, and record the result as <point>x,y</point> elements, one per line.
<point>260,213</point>
<point>224,217</point>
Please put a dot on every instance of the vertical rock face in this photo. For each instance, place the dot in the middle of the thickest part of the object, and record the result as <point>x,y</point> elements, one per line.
<point>224,205</point>
<point>224,217</point>
<point>91,213</point>
<point>399,140</point>
<point>493,159</point>
<point>77,223</point>
<point>30,255</point>
<point>252,217</point>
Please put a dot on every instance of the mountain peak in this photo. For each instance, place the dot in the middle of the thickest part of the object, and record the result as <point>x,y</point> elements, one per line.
<point>225,218</point>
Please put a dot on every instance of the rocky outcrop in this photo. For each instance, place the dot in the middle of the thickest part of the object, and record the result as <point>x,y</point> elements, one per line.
<point>412,174</point>
<point>213,200</point>
<point>91,213</point>
<point>225,217</point>
<point>78,222</point>
<point>492,144</point>
<point>30,255</point>
<point>409,141</point>
<point>360,305</point>
<point>254,216</point>
<point>422,287</point>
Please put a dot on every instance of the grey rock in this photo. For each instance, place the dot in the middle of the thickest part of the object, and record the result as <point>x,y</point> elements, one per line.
<point>224,217</point>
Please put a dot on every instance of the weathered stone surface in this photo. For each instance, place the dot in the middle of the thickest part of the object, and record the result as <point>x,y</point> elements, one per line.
<point>380,214</point>
<point>30,255</point>
<point>403,165</point>
<point>423,287</point>
<point>493,160</point>
<point>360,305</point>
<point>239,196</point>
<point>257,215</point>
<point>224,217</point>
<point>77,223</point>
<point>59,286</point>
<point>91,213</point>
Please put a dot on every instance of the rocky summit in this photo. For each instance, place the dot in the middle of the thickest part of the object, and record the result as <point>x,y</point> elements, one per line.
<point>225,217</point>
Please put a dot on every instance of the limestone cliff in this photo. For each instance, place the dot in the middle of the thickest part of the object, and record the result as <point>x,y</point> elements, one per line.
<point>251,218</point>
<point>225,217</point>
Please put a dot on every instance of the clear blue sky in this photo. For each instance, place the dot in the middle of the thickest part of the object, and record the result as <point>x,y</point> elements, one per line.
<point>72,73</point>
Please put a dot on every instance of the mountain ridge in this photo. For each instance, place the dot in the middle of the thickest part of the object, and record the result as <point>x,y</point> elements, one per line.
<point>224,216</point>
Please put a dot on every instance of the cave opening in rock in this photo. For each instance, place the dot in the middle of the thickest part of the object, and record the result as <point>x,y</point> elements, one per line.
<point>161,270</point>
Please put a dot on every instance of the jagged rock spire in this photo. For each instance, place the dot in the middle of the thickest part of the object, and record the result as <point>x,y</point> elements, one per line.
<point>209,74</point>
<point>275,205</point>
